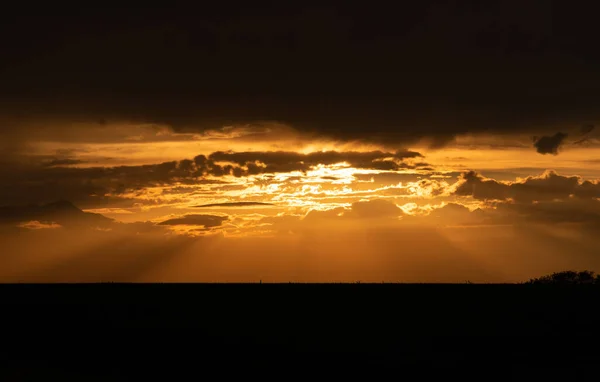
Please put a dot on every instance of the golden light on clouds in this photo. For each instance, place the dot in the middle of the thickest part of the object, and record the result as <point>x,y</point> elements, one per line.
<point>263,201</point>
<point>350,151</point>
<point>38,225</point>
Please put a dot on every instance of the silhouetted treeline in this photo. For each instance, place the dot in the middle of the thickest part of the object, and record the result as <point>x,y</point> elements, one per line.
<point>567,278</point>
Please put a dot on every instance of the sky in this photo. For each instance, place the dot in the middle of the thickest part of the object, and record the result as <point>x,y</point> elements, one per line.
<point>427,142</point>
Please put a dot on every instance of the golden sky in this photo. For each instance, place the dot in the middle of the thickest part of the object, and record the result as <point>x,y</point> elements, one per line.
<point>265,202</point>
<point>444,143</point>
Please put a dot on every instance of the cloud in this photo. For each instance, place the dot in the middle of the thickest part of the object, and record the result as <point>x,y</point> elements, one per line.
<point>208,221</point>
<point>547,186</point>
<point>364,240</point>
<point>547,198</point>
<point>585,212</point>
<point>34,183</point>
<point>549,144</point>
<point>377,208</point>
<point>424,77</point>
<point>285,161</point>
<point>63,162</point>
<point>65,216</point>
<point>358,215</point>
<point>38,225</point>
<point>139,227</point>
<point>319,216</point>
<point>458,214</point>
<point>585,129</point>
<point>450,210</point>
<point>60,212</point>
<point>386,215</point>
<point>236,204</point>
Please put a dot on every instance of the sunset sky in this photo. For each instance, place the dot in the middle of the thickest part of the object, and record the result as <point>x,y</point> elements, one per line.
<point>444,143</point>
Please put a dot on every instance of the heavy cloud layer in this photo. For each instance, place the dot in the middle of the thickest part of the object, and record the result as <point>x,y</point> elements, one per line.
<point>36,182</point>
<point>351,72</point>
<point>548,186</point>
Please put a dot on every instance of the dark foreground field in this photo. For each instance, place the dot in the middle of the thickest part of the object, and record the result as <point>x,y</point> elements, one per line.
<point>289,331</point>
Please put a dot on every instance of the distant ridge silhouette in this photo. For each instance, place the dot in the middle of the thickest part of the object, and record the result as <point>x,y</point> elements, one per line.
<point>62,212</point>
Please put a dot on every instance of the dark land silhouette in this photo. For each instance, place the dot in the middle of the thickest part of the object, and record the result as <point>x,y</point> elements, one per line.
<point>528,331</point>
<point>568,278</point>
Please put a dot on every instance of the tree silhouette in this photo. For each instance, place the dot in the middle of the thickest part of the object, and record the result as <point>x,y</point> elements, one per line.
<point>568,278</point>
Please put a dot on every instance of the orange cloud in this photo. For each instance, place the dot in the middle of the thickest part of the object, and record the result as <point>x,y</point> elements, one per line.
<point>34,224</point>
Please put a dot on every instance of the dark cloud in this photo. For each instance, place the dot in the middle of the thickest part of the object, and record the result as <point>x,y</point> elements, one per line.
<point>548,186</point>
<point>140,227</point>
<point>60,212</point>
<point>63,162</point>
<point>66,216</point>
<point>549,144</point>
<point>208,221</point>
<point>28,184</point>
<point>236,204</point>
<point>586,129</point>
<point>435,70</point>
<point>40,183</point>
<point>285,161</point>
<point>578,211</point>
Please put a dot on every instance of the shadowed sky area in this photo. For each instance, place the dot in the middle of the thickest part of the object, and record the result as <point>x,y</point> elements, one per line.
<point>426,141</point>
<point>378,71</point>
